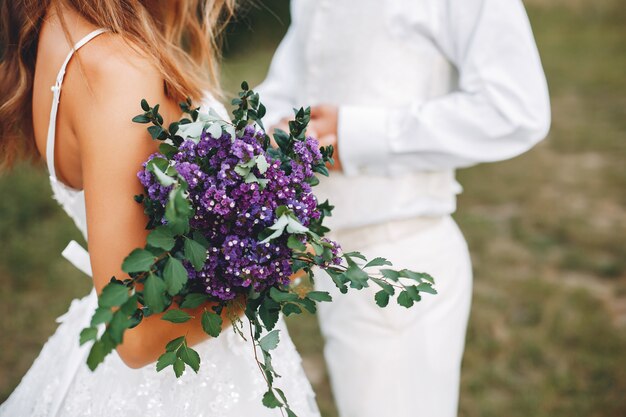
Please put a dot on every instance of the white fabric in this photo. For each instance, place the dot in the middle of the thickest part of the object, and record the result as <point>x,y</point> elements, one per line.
<point>423,87</point>
<point>393,361</point>
<point>229,384</point>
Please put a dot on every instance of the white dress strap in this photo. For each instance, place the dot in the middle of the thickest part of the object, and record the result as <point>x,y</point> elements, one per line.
<point>56,90</point>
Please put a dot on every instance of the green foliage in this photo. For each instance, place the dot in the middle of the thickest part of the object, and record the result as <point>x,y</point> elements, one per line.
<point>176,316</point>
<point>139,260</point>
<point>153,293</point>
<point>212,323</point>
<point>195,253</point>
<point>162,237</point>
<point>113,295</point>
<point>175,276</point>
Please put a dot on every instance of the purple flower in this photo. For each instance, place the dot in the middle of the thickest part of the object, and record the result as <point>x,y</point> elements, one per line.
<point>234,200</point>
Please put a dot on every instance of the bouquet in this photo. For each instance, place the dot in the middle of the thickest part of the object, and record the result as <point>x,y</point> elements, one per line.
<point>232,218</point>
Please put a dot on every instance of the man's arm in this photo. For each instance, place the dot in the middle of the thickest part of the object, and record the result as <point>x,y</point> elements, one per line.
<point>500,110</point>
<point>284,77</point>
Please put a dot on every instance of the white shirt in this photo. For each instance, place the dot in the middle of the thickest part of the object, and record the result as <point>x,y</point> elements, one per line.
<point>423,87</point>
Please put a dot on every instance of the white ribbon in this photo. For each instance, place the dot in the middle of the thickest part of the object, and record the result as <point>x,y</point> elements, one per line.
<point>77,256</point>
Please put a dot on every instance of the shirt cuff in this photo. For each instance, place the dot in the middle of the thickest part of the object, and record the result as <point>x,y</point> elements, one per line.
<point>362,142</point>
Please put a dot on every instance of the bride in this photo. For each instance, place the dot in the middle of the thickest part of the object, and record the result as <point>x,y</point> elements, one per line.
<point>72,76</point>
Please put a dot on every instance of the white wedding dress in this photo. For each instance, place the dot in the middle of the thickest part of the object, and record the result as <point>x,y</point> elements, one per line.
<point>229,383</point>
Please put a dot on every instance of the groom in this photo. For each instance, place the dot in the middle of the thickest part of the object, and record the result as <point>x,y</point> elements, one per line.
<point>407,91</point>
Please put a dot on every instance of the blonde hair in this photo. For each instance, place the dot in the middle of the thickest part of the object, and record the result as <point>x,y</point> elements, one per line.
<point>184,49</point>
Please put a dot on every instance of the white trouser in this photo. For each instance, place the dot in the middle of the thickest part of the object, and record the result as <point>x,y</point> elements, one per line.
<point>393,361</point>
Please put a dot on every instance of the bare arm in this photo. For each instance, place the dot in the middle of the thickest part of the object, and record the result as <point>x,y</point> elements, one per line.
<point>112,149</point>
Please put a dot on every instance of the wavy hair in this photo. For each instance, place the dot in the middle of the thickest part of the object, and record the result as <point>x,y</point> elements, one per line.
<point>184,49</point>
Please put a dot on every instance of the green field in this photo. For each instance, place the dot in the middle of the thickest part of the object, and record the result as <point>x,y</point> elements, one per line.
<point>547,232</point>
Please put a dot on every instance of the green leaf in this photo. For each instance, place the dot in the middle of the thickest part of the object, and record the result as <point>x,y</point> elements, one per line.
<point>270,400</point>
<point>176,316</point>
<point>119,323</point>
<point>377,262</point>
<point>174,344</point>
<point>339,279</point>
<point>163,178</point>
<point>153,293</point>
<point>198,237</point>
<point>212,323</point>
<point>320,296</point>
<point>141,118</point>
<point>405,299</point>
<point>179,367</point>
<point>282,296</point>
<point>390,274</point>
<point>413,293</point>
<point>319,249</point>
<point>87,334</point>
<point>96,355</point>
<point>269,313</point>
<point>269,341</point>
<point>190,357</point>
<point>195,253</point>
<point>426,287</point>
<point>382,298</point>
<point>388,288</point>
<point>101,315</point>
<point>155,131</point>
<point>139,260</point>
<point>130,306</point>
<point>113,295</point>
<point>242,171</point>
<point>194,300</point>
<point>308,304</point>
<point>295,243</point>
<point>289,309</point>
<point>144,105</point>
<point>357,277</point>
<point>282,139</point>
<point>278,227</point>
<point>294,226</point>
<point>175,276</point>
<point>165,360</point>
<point>177,211</point>
<point>161,237</point>
<point>168,150</point>
<point>262,164</point>
<point>215,130</point>
<point>355,255</point>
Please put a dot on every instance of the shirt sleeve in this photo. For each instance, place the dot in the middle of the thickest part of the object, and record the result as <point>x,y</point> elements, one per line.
<point>284,78</point>
<point>500,109</point>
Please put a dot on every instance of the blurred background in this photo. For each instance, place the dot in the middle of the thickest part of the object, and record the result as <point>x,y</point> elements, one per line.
<point>547,232</point>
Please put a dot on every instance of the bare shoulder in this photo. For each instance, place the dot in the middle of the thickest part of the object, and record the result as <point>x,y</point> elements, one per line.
<point>109,70</point>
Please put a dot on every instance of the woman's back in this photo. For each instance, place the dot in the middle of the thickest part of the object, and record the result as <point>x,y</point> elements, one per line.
<point>103,61</point>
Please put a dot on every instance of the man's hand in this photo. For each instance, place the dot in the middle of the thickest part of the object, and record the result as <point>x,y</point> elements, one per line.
<point>324,120</point>
<point>323,127</point>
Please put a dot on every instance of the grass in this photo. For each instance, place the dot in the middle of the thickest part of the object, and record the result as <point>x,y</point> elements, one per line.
<point>547,335</point>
